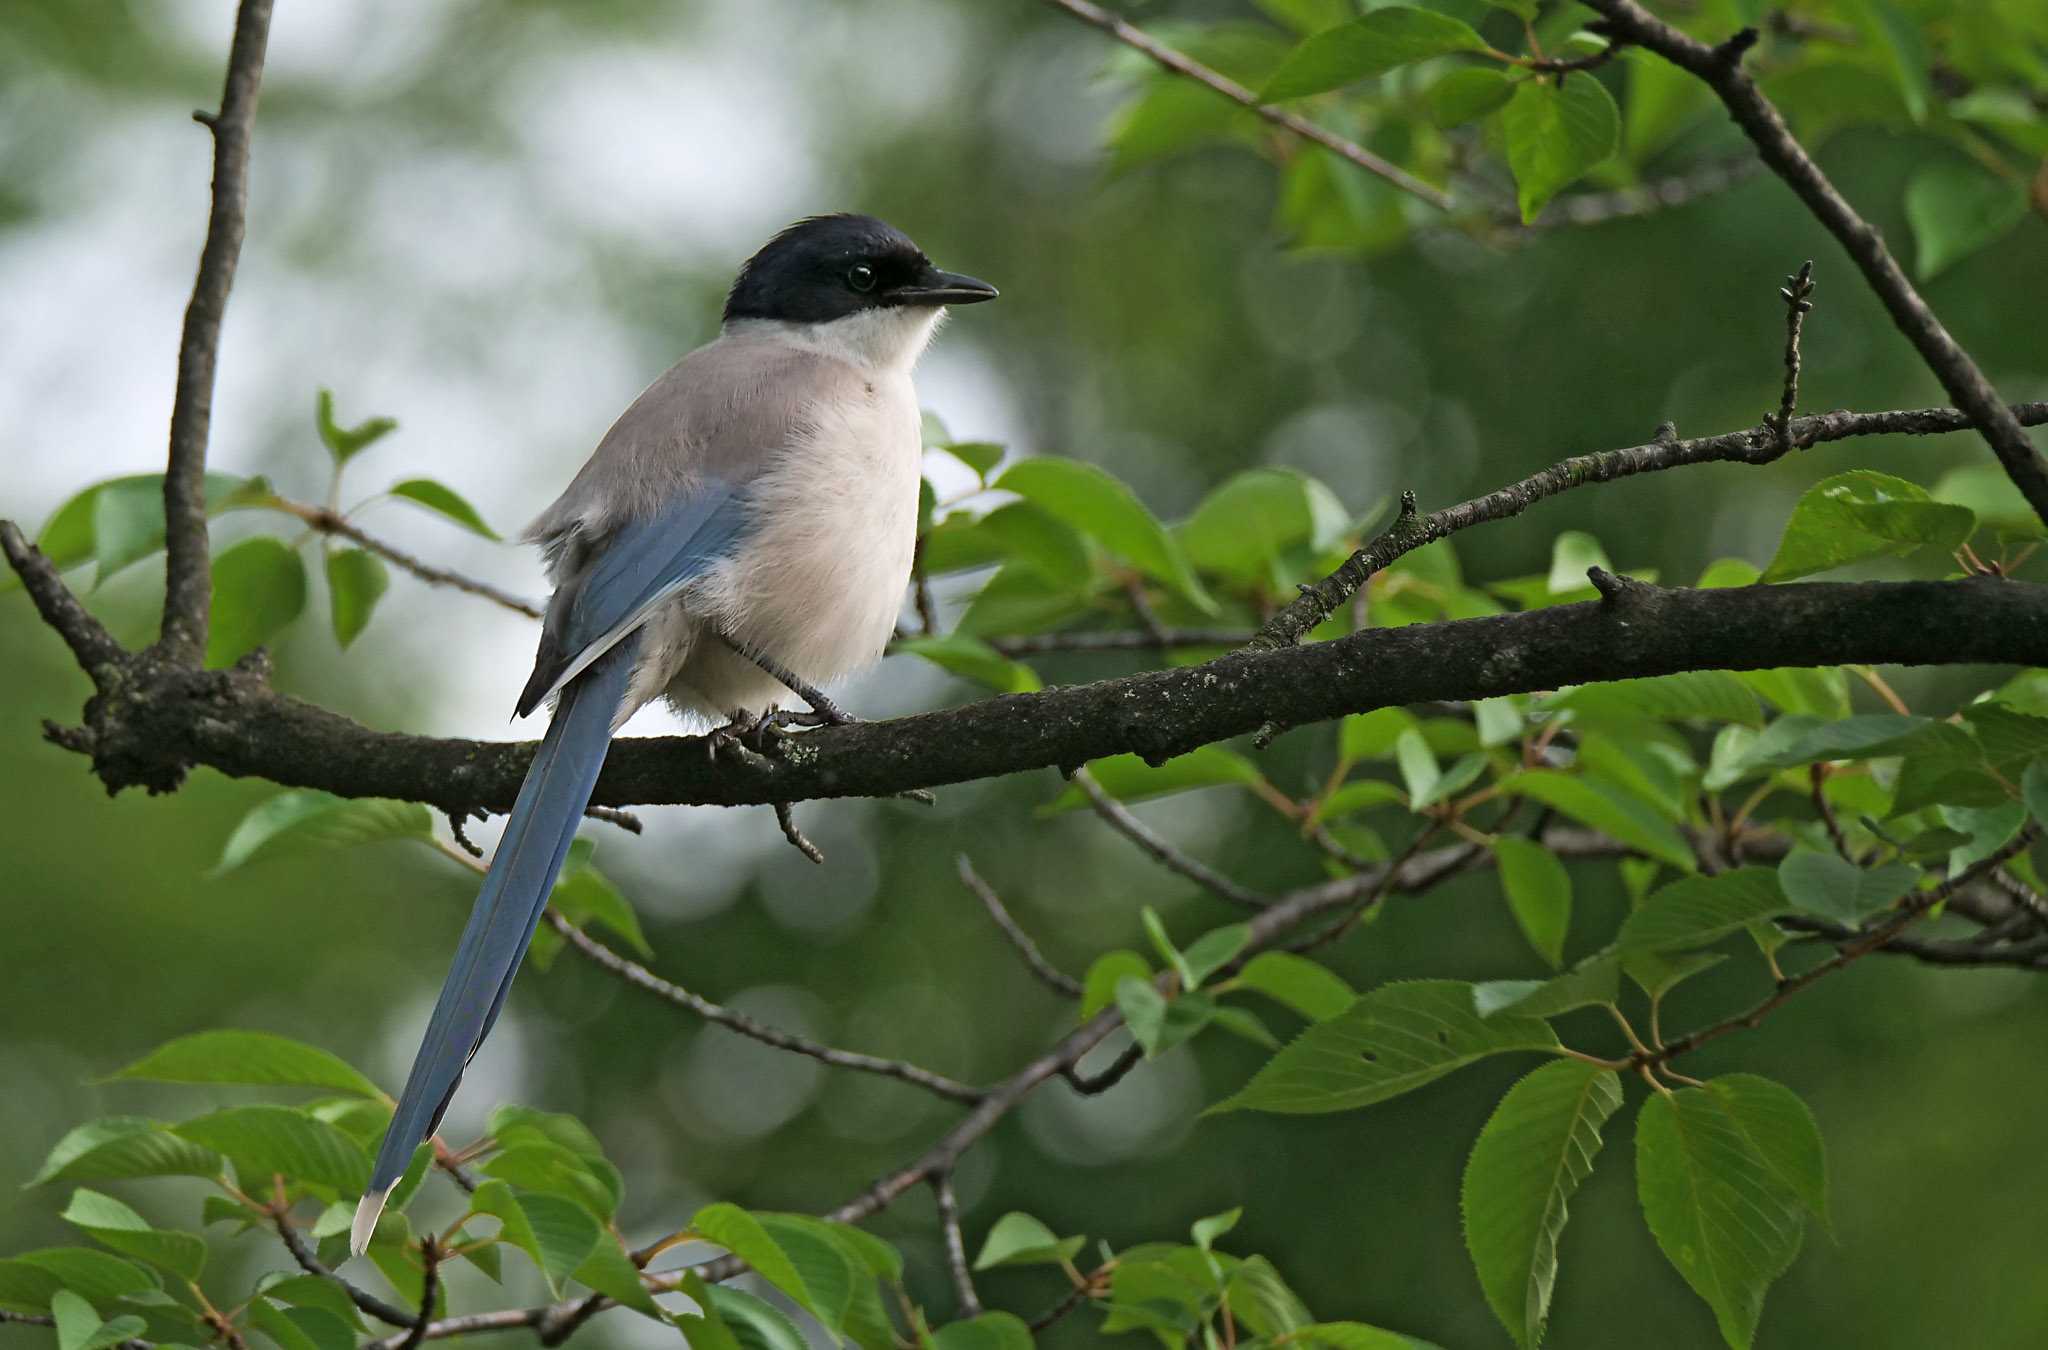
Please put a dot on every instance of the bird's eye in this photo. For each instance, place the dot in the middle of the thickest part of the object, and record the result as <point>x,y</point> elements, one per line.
<point>861,277</point>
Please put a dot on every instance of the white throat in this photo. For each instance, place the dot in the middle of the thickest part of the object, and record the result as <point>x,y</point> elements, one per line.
<point>880,340</point>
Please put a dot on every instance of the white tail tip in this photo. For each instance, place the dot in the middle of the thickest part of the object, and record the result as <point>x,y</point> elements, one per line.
<point>367,1213</point>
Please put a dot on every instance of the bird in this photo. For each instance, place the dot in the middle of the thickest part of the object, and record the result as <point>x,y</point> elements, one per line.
<point>742,532</point>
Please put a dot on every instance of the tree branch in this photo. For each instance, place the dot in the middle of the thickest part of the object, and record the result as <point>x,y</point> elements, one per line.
<point>188,582</point>
<point>1758,445</point>
<point>1058,980</point>
<point>95,650</point>
<point>1189,68</point>
<point>301,1252</point>
<point>235,723</point>
<point>1721,70</point>
<point>640,977</point>
<point>333,522</point>
<point>1166,855</point>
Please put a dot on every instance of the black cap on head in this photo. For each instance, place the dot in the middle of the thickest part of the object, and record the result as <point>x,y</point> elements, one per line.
<point>827,267</point>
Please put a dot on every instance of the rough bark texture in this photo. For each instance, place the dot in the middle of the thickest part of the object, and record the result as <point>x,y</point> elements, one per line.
<point>148,723</point>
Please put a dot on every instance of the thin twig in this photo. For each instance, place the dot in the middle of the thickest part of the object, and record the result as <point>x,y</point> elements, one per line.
<point>612,815</point>
<point>334,523</point>
<point>188,581</point>
<point>1052,975</point>
<point>640,977</point>
<point>1130,827</point>
<point>296,1244</point>
<point>1119,640</point>
<point>1910,909</point>
<point>430,1284</point>
<point>1721,69</point>
<point>1758,445</point>
<point>1797,288</point>
<point>1094,1085</point>
<point>1059,1310</point>
<point>95,650</point>
<point>956,1246</point>
<point>1643,199</point>
<point>785,816</point>
<point>1189,68</point>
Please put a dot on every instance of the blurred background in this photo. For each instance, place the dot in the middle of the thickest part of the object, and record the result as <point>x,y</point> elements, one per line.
<point>497,221</point>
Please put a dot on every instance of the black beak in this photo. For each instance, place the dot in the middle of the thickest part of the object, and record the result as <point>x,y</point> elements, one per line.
<point>943,288</point>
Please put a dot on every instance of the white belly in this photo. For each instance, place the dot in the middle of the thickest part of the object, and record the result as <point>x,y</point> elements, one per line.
<point>819,582</point>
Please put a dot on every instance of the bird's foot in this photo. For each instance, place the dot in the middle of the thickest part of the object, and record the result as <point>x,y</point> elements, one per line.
<point>740,738</point>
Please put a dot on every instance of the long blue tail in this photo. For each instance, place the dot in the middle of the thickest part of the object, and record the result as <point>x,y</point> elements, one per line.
<point>508,909</point>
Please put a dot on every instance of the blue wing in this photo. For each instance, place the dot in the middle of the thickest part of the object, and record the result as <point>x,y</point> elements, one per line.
<point>587,655</point>
<point>638,567</point>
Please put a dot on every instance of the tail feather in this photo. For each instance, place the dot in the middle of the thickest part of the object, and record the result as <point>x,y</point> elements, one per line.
<point>508,909</point>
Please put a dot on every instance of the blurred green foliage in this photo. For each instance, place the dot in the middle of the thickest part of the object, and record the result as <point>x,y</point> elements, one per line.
<point>1247,344</point>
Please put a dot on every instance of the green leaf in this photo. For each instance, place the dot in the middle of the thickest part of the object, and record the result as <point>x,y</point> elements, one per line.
<point>310,1291</point>
<point>1658,973</point>
<point>1130,779</point>
<point>1298,983</point>
<point>115,1225</point>
<point>742,1234</point>
<point>1989,828</point>
<point>973,659</point>
<point>1205,1231</point>
<point>1599,807</point>
<point>1466,94</point>
<point>1956,209</point>
<point>829,1271</point>
<point>612,1273</point>
<point>1105,973</point>
<point>345,443</point>
<point>275,1140</point>
<point>1863,514</point>
<point>1896,38</point>
<point>1990,494</point>
<point>1539,893</point>
<point>587,896</point>
<point>356,581</point>
<point>1831,887</point>
<point>1685,696</point>
<point>1157,1022</point>
<point>1212,951</point>
<point>563,1233</point>
<point>990,1331</point>
<point>121,520</point>
<point>751,1323</point>
<point>28,1280</point>
<point>2034,788</point>
<point>1168,118</point>
<point>1417,762</point>
<point>1595,980</point>
<point>1393,1040</point>
<point>252,1057</point>
<point>259,586</point>
<point>1555,135</point>
<point>1041,541</point>
<point>2011,738</point>
<point>1781,1131</point>
<point>1356,1335</point>
<point>1718,1211</point>
<point>1261,1300</point>
<point>1694,911</point>
<point>1372,44</point>
<point>1105,510</point>
<point>1531,1157</point>
<point>1017,1239</point>
<point>1373,735</point>
<point>1246,527</point>
<point>124,1146</point>
<point>301,1328</point>
<point>304,820</point>
<point>588,1182</point>
<point>980,456</point>
<point>443,500</point>
<point>1573,555</point>
<point>80,1328</point>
